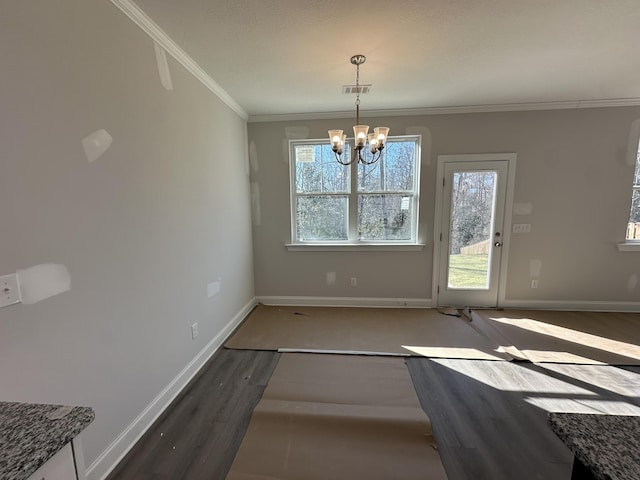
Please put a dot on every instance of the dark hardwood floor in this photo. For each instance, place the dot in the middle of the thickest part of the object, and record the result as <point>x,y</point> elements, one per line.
<point>198,435</point>
<point>489,418</point>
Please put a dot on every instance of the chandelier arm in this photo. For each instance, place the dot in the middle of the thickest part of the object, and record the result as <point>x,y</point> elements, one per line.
<point>340,161</point>
<point>375,158</point>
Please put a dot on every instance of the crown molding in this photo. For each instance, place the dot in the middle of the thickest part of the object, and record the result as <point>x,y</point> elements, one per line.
<point>142,20</point>
<point>405,112</point>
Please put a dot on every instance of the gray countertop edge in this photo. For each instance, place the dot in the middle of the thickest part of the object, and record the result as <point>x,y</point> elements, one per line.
<point>29,438</point>
<point>607,445</point>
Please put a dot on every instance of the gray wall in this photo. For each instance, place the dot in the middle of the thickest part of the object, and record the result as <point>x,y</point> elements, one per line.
<point>142,230</point>
<point>571,167</point>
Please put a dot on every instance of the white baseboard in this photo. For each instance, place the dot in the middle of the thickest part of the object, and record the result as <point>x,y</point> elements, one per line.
<point>347,302</point>
<point>577,305</point>
<point>574,305</point>
<point>115,452</point>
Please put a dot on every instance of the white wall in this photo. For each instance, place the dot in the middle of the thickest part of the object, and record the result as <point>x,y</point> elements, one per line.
<point>142,230</point>
<point>571,167</point>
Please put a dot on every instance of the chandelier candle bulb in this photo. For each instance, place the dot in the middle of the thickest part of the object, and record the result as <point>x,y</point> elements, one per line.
<point>335,136</point>
<point>381,134</point>
<point>373,142</point>
<point>338,140</point>
<point>360,134</point>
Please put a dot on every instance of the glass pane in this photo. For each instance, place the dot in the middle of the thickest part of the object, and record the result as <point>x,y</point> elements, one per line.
<point>321,218</point>
<point>472,209</point>
<point>385,217</point>
<point>318,171</point>
<point>633,230</point>
<point>393,172</point>
<point>636,177</point>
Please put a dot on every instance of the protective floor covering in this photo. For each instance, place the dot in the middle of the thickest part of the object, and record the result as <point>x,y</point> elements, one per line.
<point>390,331</point>
<point>338,417</point>
<point>564,337</point>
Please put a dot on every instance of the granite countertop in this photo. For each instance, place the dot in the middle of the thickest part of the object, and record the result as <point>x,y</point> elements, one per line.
<point>607,445</point>
<point>30,434</point>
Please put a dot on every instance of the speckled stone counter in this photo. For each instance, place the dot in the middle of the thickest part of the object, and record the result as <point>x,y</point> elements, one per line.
<point>30,434</point>
<point>607,446</point>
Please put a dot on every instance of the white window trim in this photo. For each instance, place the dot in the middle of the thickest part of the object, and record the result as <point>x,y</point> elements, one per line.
<point>629,246</point>
<point>348,245</point>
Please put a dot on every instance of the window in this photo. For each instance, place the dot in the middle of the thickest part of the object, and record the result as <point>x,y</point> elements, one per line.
<point>354,204</point>
<point>633,228</point>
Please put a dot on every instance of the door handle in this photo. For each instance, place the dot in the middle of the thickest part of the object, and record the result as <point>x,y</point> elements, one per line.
<point>497,244</point>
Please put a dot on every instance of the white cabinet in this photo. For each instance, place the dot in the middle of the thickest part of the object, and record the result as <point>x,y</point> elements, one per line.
<point>59,467</point>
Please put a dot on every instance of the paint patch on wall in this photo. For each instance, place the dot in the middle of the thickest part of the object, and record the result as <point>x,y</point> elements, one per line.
<point>522,208</point>
<point>163,67</point>
<point>42,281</point>
<point>95,144</point>
<point>425,145</point>
<point>292,133</point>
<point>535,267</point>
<point>213,288</point>
<point>255,203</point>
<point>253,157</point>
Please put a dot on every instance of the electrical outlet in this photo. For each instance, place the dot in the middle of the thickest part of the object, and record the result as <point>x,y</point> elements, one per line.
<point>9,290</point>
<point>354,281</point>
<point>534,283</point>
<point>194,331</point>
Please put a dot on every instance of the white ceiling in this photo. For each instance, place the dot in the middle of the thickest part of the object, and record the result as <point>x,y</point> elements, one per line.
<point>277,57</point>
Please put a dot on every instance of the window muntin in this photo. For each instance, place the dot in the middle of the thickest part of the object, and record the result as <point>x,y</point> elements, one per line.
<point>633,228</point>
<point>356,203</point>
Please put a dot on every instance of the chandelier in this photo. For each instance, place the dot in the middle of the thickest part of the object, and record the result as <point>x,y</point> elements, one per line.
<point>375,140</point>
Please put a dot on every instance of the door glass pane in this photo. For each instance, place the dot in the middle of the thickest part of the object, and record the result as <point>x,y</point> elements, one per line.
<point>472,211</point>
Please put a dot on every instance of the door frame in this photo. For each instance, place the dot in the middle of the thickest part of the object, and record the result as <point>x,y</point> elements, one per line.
<point>506,227</point>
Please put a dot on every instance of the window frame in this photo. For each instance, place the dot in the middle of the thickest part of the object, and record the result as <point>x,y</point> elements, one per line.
<point>352,242</point>
<point>635,187</point>
<point>633,156</point>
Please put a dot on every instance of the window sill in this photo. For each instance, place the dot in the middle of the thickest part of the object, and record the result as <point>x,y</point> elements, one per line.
<point>351,247</point>
<point>629,247</point>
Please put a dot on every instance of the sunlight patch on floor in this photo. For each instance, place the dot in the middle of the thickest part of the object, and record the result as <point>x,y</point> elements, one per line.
<point>577,392</point>
<point>454,352</point>
<point>574,336</point>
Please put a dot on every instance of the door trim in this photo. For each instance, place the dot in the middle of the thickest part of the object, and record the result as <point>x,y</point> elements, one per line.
<point>508,212</point>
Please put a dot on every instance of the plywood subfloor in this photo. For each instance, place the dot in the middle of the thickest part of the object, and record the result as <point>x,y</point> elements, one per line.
<point>338,417</point>
<point>564,337</point>
<point>394,331</point>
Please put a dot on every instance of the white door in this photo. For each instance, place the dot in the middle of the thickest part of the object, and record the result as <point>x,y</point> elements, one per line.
<point>470,241</point>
